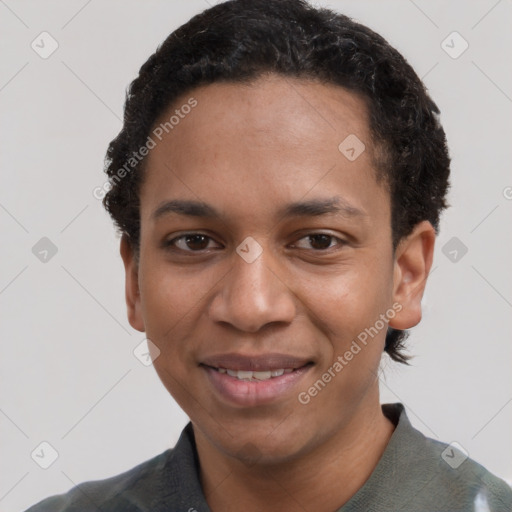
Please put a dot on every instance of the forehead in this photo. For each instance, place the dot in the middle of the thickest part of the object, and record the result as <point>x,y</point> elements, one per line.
<point>278,107</point>
<point>275,139</point>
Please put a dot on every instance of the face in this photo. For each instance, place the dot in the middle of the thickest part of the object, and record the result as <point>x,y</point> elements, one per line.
<point>265,251</point>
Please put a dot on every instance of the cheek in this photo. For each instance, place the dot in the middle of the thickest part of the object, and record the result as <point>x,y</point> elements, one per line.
<point>168,293</point>
<point>347,310</point>
<point>170,302</point>
<point>349,300</point>
<point>348,306</point>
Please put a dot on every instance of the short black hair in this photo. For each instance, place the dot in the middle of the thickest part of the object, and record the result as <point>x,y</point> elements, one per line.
<point>239,41</point>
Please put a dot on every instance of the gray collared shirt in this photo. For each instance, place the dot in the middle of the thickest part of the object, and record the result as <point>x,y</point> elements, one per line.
<point>414,474</point>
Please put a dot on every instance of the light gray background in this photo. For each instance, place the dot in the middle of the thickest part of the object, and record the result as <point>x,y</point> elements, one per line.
<point>68,374</point>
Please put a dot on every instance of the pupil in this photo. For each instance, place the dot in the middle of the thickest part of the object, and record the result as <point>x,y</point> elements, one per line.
<point>325,241</point>
<point>191,241</point>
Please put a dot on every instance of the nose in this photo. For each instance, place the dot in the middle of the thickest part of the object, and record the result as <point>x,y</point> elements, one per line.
<point>253,295</point>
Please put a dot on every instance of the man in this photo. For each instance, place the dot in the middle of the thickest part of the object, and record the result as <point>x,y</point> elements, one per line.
<point>278,183</point>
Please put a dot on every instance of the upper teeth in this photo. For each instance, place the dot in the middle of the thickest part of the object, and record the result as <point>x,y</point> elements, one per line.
<point>248,375</point>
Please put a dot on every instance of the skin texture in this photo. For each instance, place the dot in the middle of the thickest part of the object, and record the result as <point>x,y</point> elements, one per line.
<point>248,150</point>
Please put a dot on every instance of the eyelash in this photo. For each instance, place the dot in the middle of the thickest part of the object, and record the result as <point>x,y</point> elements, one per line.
<point>170,244</point>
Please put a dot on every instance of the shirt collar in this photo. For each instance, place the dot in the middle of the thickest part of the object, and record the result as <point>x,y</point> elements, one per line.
<point>185,484</point>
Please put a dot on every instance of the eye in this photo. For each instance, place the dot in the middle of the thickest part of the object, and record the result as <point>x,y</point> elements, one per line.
<point>198,242</point>
<point>321,241</point>
<point>189,242</point>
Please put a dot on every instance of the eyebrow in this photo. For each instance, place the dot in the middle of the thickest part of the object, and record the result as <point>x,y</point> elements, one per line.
<point>311,208</point>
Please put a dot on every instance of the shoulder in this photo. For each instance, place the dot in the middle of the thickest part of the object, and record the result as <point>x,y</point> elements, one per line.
<point>169,481</point>
<point>126,491</point>
<point>461,479</point>
<point>439,475</point>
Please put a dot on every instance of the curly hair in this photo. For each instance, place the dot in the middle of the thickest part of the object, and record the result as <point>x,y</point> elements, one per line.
<point>240,40</point>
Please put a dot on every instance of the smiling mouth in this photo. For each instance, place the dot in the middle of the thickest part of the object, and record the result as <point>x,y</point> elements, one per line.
<point>256,376</point>
<point>243,380</point>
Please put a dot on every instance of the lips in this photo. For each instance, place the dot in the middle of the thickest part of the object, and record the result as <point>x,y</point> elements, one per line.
<point>247,381</point>
<point>255,363</point>
<point>251,376</point>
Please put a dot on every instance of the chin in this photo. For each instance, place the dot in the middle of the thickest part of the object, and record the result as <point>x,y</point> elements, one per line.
<point>265,450</point>
<point>252,455</point>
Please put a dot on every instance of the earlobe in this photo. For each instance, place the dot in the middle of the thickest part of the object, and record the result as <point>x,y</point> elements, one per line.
<point>413,260</point>
<point>132,292</point>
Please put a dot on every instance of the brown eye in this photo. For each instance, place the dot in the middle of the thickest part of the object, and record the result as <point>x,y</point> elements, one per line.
<point>190,242</point>
<point>320,242</point>
<point>196,242</point>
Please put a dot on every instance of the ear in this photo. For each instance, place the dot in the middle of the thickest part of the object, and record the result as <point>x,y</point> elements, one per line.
<point>413,260</point>
<point>132,292</point>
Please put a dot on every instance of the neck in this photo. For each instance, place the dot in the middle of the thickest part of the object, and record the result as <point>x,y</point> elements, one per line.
<point>322,480</point>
